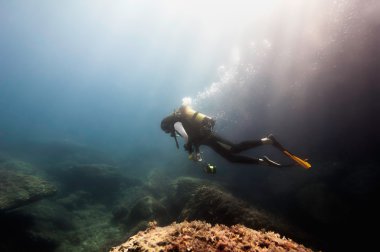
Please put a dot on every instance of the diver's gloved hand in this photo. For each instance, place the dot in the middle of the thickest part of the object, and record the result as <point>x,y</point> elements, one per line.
<point>195,156</point>
<point>266,161</point>
<point>199,157</point>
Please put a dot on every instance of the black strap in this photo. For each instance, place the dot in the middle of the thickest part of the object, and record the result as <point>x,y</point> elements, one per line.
<point>194,116</point>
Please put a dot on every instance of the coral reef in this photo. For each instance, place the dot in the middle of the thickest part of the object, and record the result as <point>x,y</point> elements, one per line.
<point>17,189</point>
<point>201,236</point>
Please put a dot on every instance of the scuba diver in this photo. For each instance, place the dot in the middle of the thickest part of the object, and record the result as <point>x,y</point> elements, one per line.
<point>197,129</point>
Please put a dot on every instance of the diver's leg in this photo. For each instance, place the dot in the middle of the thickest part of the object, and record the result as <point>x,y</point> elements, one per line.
<point>230,156</point>
<point>236,148</point>
<point>218,140</point>
<point>224,148</point>
<point>246,145</point>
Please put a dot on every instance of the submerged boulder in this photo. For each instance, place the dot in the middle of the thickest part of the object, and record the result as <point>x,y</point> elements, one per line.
<point>103,182</point>
<point>136,217</point>
<point>216,206</point>
<point>148,208</point>
<point>189,199</point>
<point>194,199</point>
<point>18,189</point>
<point>201,236</point>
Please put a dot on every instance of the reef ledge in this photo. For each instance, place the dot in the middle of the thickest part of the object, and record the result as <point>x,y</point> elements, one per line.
<point>201,236</point>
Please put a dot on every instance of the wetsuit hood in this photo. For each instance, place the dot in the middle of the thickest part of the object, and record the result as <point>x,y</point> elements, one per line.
<point>167,124</point>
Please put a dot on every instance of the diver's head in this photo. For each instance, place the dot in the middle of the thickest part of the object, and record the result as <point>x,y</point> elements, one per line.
<point>167,124</point>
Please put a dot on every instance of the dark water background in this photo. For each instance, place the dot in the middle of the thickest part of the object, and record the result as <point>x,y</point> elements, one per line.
<point>102,75</point>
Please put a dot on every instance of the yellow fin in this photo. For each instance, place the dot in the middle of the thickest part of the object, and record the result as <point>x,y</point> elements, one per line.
<point>298,160</point>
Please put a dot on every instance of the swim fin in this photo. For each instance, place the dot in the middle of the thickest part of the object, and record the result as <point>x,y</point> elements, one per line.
<point>299,161</point>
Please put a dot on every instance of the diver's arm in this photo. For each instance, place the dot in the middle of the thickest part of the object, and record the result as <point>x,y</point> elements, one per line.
<point>196,156</point>
<point>181,130</point>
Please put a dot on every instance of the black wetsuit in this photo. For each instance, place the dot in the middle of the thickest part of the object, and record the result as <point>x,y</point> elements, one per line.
<point>223,147</point>
<point>229,150</point>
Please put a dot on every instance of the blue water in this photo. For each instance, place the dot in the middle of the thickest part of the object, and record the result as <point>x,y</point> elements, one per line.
<point>103,74</point>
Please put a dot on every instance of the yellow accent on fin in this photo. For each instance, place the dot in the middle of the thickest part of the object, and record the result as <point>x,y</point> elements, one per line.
<point>298,160</point>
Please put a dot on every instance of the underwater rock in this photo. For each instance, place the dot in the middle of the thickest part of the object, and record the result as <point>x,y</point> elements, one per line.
<point>157,183</point>
<point>159,199</point>
<point>196,199</point>
<point>181,191</point>
<point>190,199</point>
<point>102,181</point>
<point>184,187</point>
<point>17,189</point>
<point>75,200</point>
<point>87,227</point>
<point>201,236</point>
<point>213,205</point>
<point>144,210</point>
<point>19,166</point>
<point>54,152</point>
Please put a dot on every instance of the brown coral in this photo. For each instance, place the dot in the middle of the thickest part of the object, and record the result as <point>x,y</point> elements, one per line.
<point>201,236</point>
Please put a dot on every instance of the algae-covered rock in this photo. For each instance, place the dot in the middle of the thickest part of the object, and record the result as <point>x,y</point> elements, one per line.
<point>157,183</point>
<point>17,189</point>
<point>195,199</point>
<point>213,205</point>
<point>201,236</point>
<point>181,191</point>
<point>136,216</point>
<point>101,180</point>
<point>148,208</point>
<point>18,166</point>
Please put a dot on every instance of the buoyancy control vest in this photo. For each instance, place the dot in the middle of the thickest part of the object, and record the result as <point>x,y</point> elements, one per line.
<point>196,120</point>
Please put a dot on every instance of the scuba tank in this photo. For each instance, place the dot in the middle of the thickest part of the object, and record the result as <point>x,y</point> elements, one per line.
<point>199,120</point>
